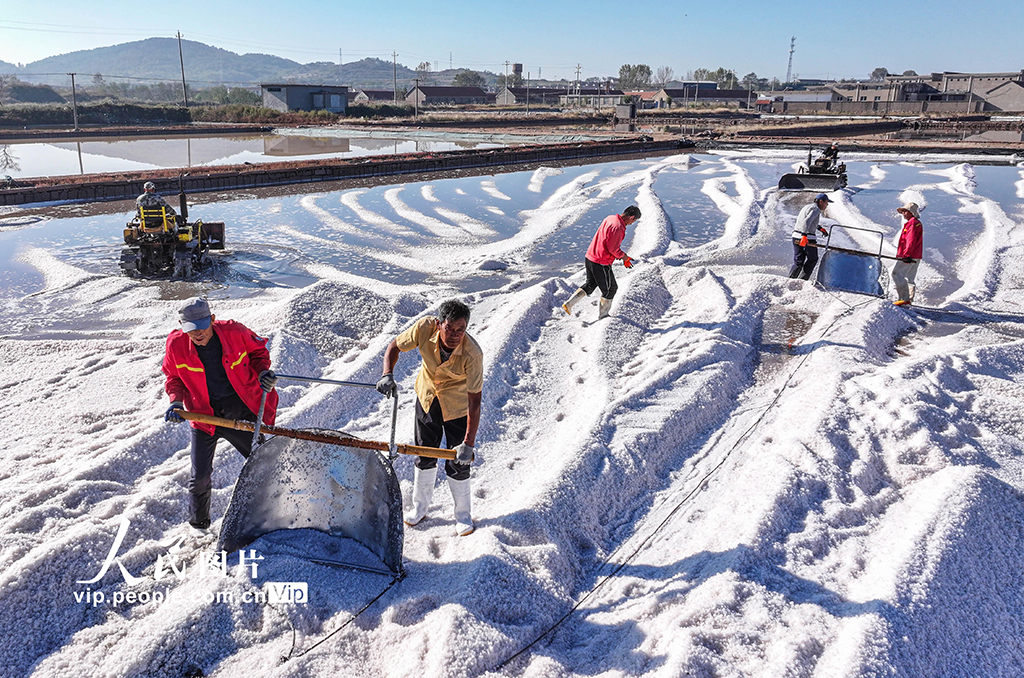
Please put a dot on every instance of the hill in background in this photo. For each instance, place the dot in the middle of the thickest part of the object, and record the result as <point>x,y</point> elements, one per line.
<point>157,59</point>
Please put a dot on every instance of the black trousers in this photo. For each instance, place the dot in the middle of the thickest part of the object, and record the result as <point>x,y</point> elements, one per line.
<point>600,275</point>
<point>200,484</point>
<point>430,427</point>
<point>804,259</point>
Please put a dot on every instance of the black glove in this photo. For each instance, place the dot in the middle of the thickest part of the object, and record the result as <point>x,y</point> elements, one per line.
<point>386,385</point>
<point>907,260</point>
<point>822,231</point>
<point>268,379</point>
<point>172,416</point>
<point>463,453</point>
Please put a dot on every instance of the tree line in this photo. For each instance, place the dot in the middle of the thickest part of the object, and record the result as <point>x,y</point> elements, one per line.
<point>13,90</point>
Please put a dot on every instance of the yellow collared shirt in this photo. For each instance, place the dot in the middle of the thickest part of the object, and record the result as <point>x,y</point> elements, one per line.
<point>450,381</point>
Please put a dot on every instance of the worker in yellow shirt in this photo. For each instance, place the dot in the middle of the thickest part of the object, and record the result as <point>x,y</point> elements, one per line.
<point>448,391</point>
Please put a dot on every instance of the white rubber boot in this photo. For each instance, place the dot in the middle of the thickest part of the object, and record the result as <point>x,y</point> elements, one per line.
<point>603,308</point>
<point>463,519</point>
<point>577,295</point>
<point>422,491</point>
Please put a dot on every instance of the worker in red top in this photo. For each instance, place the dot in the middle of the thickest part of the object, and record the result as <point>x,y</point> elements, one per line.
<point>217,367</point>
<point>605,248</point>
<point>909,252</point>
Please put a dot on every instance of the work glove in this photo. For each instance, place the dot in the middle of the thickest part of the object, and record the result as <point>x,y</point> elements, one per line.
<point>386,385</point>
<point>172,416</point>
<point>463,453</point>
<point>627,262</point>
<point>822,231</point>
<point>907,260</point>
<point>268,379</point>
<point>803,241</point>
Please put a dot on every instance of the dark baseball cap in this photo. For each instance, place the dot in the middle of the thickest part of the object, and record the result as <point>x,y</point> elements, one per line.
<point>821,196</point>
<point>194,314</point>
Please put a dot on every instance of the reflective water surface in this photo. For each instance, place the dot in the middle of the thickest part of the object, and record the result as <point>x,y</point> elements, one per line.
<point>59,158</point>
<point>489,231</point>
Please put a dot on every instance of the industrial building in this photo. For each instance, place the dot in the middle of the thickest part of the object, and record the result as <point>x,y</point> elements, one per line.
<point>289,97</point>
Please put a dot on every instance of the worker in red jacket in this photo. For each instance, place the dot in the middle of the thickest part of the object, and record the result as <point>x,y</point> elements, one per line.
<point>220,368</point>
<point>604,249</point>
<point>909,252</point>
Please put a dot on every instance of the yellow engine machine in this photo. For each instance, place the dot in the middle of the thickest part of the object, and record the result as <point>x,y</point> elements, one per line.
<point>160,243</point>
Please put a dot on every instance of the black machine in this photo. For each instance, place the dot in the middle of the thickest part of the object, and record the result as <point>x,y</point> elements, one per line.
<point>824,174</point>
<point>159,243</point>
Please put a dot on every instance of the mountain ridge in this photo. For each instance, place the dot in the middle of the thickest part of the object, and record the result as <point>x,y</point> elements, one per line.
<point>156,59</point>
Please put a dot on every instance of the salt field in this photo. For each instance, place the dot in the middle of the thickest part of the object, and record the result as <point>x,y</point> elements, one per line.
<point>736,474</point>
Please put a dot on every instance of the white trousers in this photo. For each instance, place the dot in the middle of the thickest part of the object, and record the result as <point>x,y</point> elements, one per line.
<point>903,275</point>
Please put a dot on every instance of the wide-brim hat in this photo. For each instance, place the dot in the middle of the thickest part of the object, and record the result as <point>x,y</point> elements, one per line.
<point>913,209</point>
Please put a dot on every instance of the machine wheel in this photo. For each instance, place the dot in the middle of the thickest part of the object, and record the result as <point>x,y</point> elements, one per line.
<point>130,262</point>
<point>182,265</point>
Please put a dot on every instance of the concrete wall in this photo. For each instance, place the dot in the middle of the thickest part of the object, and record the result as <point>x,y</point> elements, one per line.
<point>275,98</point>
<point>223,178</point>
<point>1010,97</point>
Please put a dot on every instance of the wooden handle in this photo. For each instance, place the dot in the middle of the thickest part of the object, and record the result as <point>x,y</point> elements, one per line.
<point>849,251</point>
<point>331,438</point>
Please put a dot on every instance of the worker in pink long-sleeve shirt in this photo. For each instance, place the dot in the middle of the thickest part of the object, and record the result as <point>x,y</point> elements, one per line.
<point>909,252</point>
<point>604,249</point>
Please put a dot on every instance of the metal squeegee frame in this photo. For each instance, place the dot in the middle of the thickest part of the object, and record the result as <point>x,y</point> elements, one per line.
<point>393,450</point>
<point>881,241</point>
<point>392,456</point>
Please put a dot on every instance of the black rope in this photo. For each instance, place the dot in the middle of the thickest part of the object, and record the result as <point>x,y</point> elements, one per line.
<point>681,502</point>
<point>291,652</point>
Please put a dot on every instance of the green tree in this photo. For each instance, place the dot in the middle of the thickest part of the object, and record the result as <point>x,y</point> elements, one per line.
<point>514,80</point>
<point>726,78</point>
<point>423,72</point>
<point>909,72</point>
<point>878,75</point>
<point>634,77</point>
<point>466,78</point>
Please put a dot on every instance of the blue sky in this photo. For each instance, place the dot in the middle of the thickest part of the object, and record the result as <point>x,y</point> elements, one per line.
<point>846,39</point>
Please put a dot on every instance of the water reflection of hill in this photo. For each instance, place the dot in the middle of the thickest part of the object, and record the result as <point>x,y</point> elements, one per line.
<point>171,152</point>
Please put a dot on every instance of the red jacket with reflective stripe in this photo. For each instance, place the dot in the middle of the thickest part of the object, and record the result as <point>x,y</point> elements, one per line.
<point>245,356</point>
<point>911,243</point>
<point>606,245</point>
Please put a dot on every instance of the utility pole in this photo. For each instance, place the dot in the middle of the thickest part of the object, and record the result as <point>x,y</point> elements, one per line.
<point>577,92</point>
<point>507,62</point>
<point>449,61</point>
<point>184,90</point>
<point>416,99</point>
<point>341,62</point>
<point>789,69</point>
<point>527,92</point>
<point>74,100</point>
<point>394,67</point>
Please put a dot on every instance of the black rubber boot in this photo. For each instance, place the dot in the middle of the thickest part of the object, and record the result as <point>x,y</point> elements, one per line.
<point>200,504</point>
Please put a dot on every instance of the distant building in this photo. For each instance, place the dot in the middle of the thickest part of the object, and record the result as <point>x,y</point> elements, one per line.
<point>864,91</point>
<point>996,91</point>
<point>333,98</point>
<point>365,96</point>
<point>1008,96</point>
<point>424,95</point>
<point>642,99</point>
<point>595,97</point>
<point>695,95</point>
<point>509,96</point>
